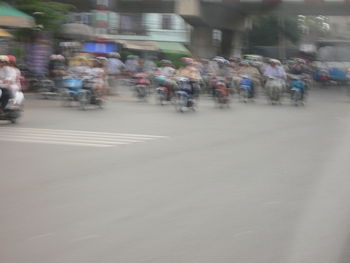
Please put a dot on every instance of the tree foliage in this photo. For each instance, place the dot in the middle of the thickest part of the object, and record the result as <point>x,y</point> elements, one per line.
<point>316,26</point>
<point>266,30</point>
<point>48,15</point>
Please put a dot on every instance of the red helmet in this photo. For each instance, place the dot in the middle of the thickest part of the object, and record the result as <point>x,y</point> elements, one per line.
<point>12,59</point>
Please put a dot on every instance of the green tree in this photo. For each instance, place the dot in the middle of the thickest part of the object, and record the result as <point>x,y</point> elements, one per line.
<point>267,29</point>
<point>314,27</point>
<point>48,15</point>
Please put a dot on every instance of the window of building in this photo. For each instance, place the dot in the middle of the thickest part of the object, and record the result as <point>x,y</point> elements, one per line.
<point>131,24</point>
<point>86,18</point>
<point>167,22</point>
<point>102,4</point>
<point>90,19</point>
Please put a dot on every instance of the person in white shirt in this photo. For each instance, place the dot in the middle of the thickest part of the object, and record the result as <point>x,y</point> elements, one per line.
<point>114,69</point>
<point>9,80</point>
<point>14,76</point>
<point>132,64</point>
<point>166,70</point>
<point>273,69</point>
<point>4,91</point>
<point>99,74</point>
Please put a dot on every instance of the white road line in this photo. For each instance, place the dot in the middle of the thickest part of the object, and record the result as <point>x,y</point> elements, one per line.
<point>116,136</point>
<point>14,136</point>
<point>74,137</point>
<point>55,142</point>
<point>89,132</point>
<point>41,236</point>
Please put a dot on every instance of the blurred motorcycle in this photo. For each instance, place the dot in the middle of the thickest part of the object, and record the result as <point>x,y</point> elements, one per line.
<point>73,92</point>
<point>297,88</point>
<point>184,98</point>
<point>221,92</point>
<point>165,89</point>
<point>141,85</point>
<point>274,90</point>
<point>13,108</point>
<point>246,88</point>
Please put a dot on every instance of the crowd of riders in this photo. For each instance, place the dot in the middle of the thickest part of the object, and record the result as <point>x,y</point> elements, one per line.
<point>194,76</point>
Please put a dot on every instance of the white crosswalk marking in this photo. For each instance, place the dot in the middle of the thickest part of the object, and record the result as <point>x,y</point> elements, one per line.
<point>72,137</point>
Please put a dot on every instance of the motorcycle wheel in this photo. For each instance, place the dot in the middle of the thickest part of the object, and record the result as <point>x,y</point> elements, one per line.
<point>295,97</point>
<point>84,99</point>
<point>161,99</point>
<point>99,103</point>
<point>180,103</point>
<point>66,99</point>
<point>244,95</point>
<point>220,100</point>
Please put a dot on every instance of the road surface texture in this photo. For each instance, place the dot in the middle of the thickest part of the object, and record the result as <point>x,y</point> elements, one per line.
<point>139,183</point>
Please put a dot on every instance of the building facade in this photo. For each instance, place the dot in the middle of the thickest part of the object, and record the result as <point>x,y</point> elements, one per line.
<point>134,26</point>
<point>340,27</point>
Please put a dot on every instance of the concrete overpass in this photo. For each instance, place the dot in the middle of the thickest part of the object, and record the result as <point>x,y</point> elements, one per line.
<point>231,16</point>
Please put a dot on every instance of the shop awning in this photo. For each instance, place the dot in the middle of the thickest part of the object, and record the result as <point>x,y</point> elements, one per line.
<point>173,47</point>
<point>139,45</point>
<point>4,33</point>
<point>12,17</point>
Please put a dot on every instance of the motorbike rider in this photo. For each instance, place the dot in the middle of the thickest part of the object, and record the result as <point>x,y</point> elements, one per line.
<point>190,71</point>
<point>99,74</point>
<point>247,69</point>
<point>298,67</point>
<point>166,69</point>
<point>223,72</point>
<point>9,79</point>
<point>57,69</point>
<point>149,65</point>
<point>114,68</point>
<point>275,70</point>
<point>234,61</point>
<point>132,64</point>
<point>4,91</point>
<point>163,77</point>
<point>223,69</point>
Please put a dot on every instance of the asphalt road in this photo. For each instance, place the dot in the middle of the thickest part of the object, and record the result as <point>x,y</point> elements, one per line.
<point>140,183</point>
